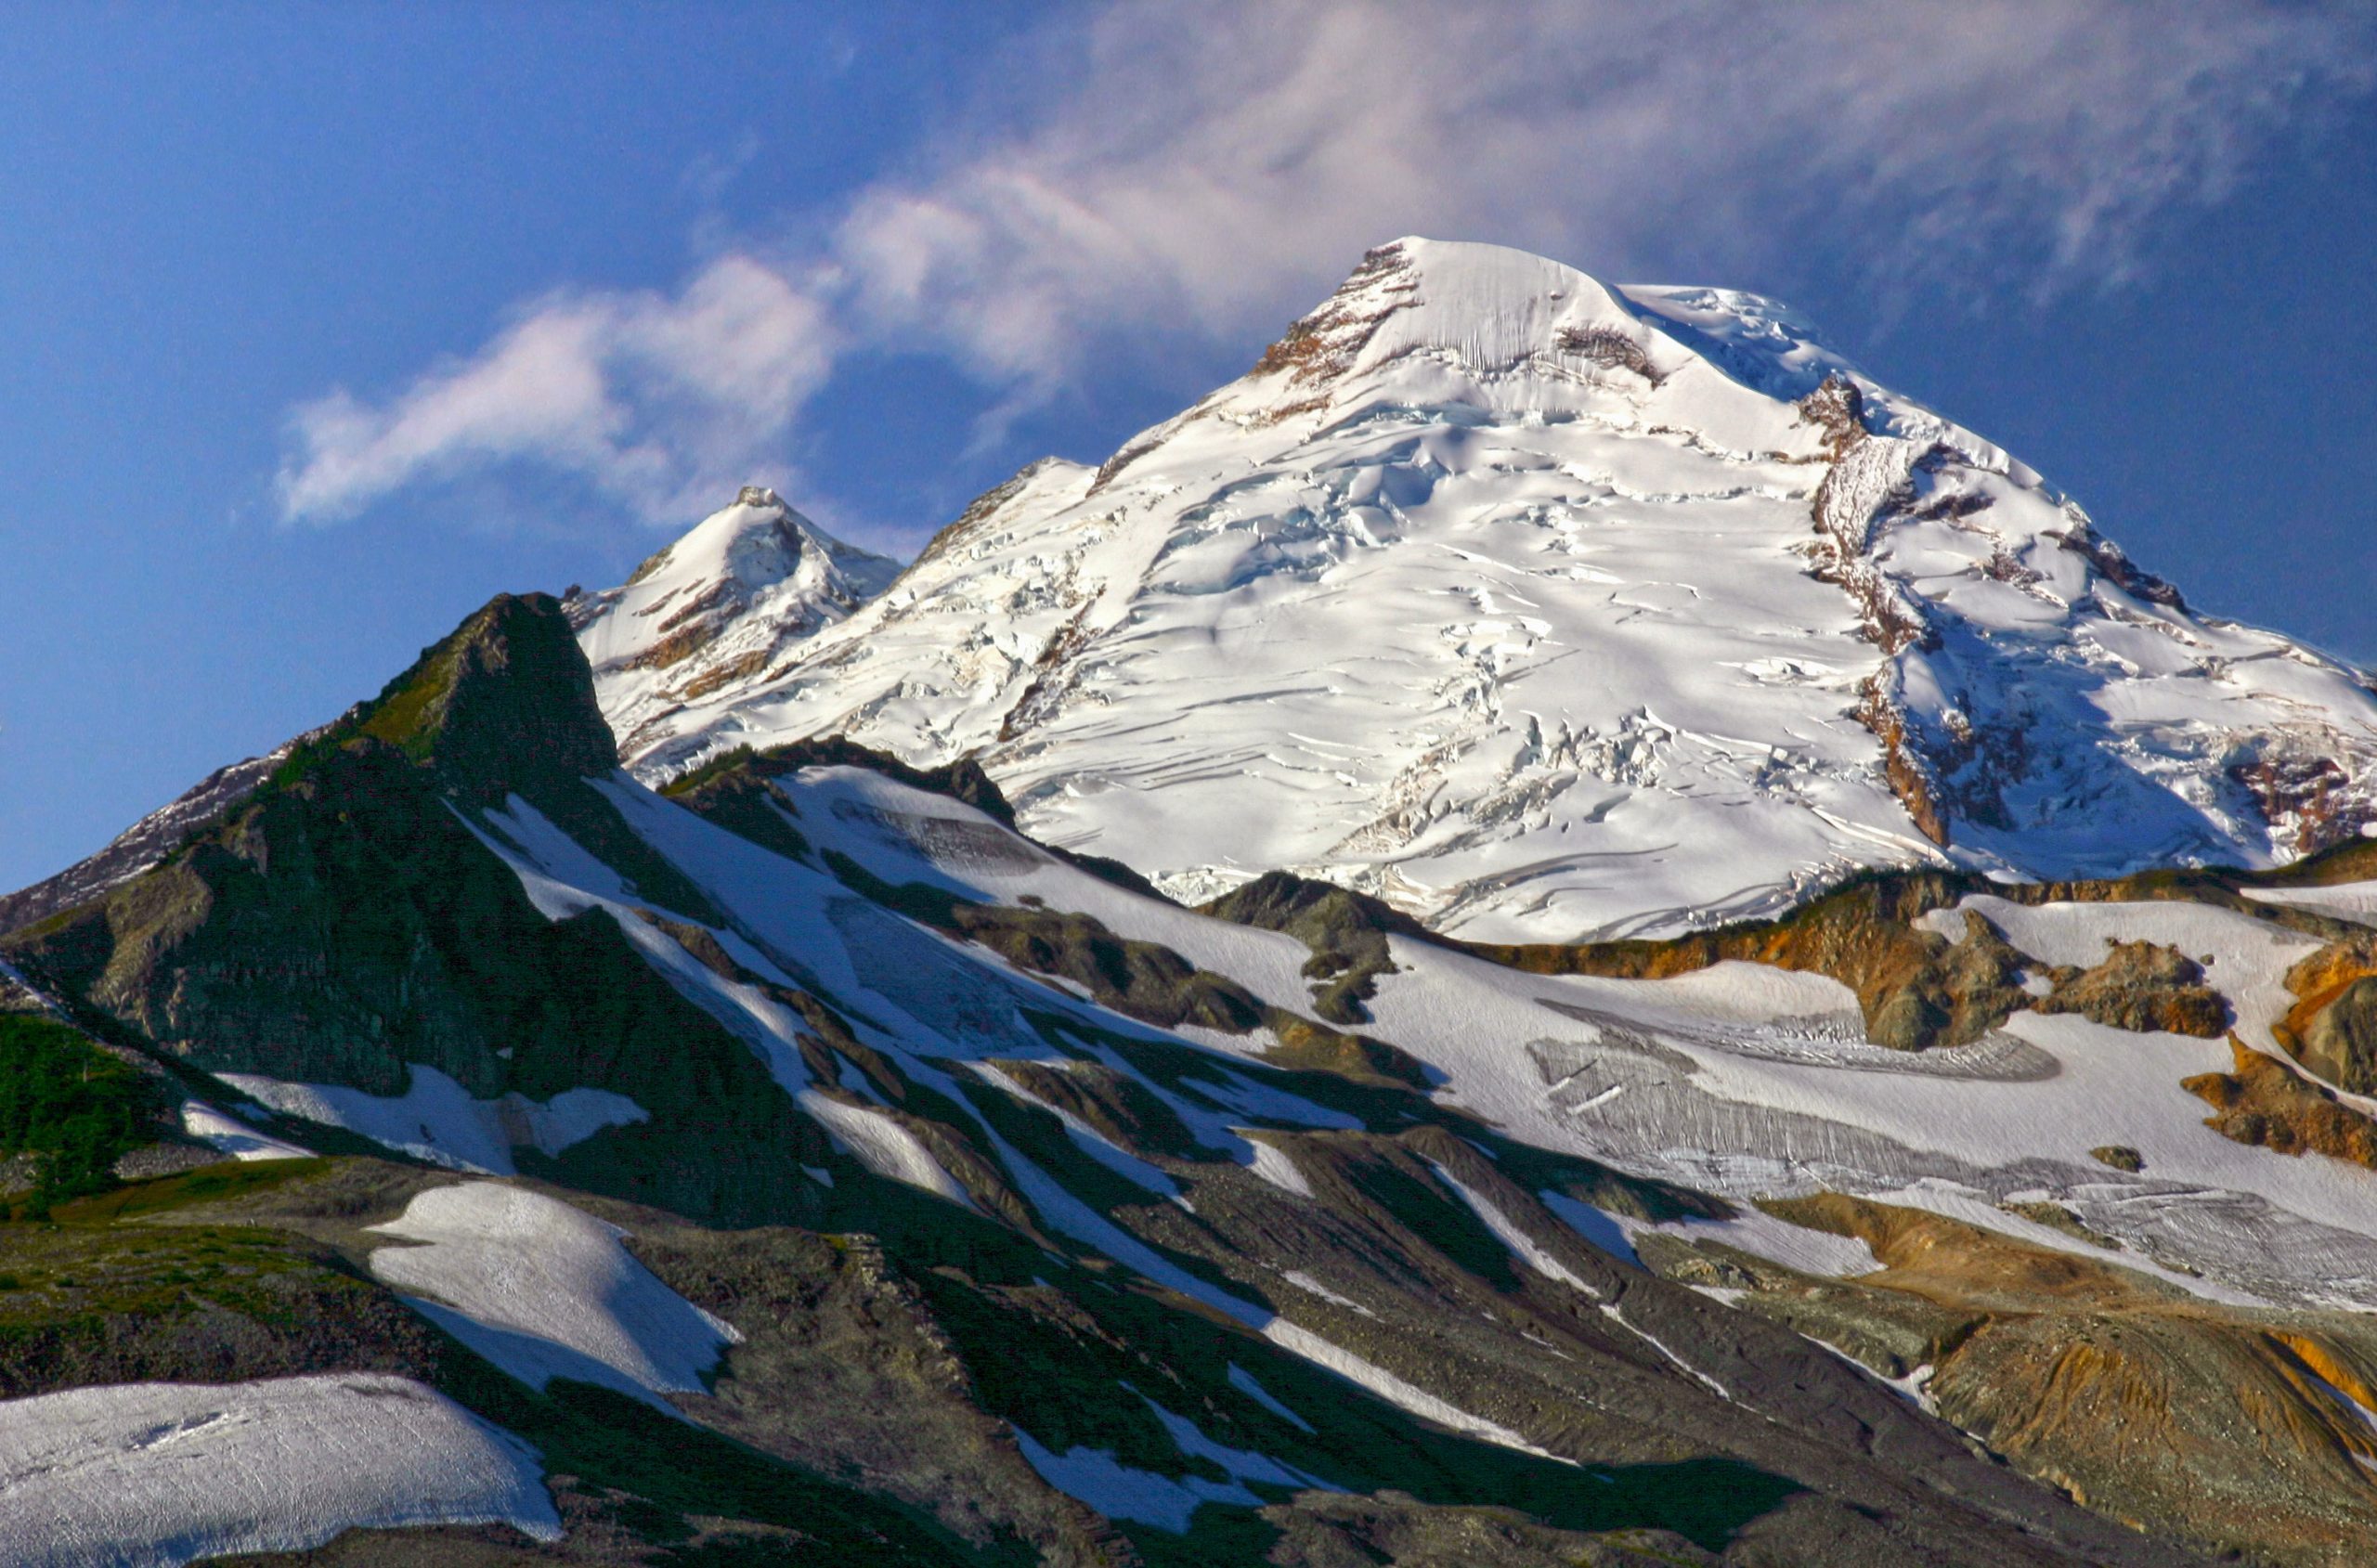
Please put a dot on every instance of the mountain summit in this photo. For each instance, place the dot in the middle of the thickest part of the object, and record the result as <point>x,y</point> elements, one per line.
<point>1542,609</point>
<point>714,609</point>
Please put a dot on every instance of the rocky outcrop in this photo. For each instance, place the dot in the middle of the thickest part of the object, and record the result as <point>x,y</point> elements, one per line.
<point>1346,931</point>
<point>2121,1390</point>
<point>503,704</point>
<point>1915,987</point>
<point>2332,1028</point>
<point>145,842</point>
<point>344,924</point>
<point>2143,986</point>
<point>2265,1103</point>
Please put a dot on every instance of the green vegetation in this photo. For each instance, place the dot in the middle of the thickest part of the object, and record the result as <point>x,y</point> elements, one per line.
<point>209,1183</point>
<point>89,1300</point>
<point>70,1107</point>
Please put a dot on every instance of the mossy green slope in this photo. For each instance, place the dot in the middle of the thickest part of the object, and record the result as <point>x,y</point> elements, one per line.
<point>346,924</point>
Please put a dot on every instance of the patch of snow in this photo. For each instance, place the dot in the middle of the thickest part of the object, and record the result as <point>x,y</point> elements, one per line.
<point>233,1136</point>
<point>1243,1381</point>
<point>1274,1164</point>
<point>154,1475</point>
<point>1087,1138</point>
<point>2355,901</point>
<point>1914,1388</point>
<point>1404,1396</point>
<point>1522,1245</point>
<point>544,1291</point>
<point>1247,1098</point>
<point>1308,1284</point>
<point>436,1120</point>
<point>880,1143</point>
<point>1610,1311</point>
<point>1759,1234</point>
<point>1605,1231</point>
<point>1096,1477</point>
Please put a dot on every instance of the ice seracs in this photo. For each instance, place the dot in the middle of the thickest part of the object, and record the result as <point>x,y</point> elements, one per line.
<point>1543,609</point>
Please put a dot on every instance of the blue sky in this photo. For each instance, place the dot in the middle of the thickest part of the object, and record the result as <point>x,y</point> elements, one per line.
<point>319,325</point>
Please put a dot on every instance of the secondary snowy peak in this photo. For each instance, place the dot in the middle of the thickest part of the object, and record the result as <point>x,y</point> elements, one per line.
<point>716,607</point>
<point>1543,608</point>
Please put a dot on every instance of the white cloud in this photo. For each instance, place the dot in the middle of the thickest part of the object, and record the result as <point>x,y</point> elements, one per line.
<point>1210,168</point>
<point>660,402</point>
<point>1219,164</point>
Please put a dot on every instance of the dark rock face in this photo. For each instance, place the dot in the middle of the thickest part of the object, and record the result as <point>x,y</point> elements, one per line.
<point>1346,931</point>
<point>2341,1043</point>
<point>506,700</point>
<point>343,925</point>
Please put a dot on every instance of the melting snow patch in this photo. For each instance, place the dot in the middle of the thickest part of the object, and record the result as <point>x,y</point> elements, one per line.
<point>1609,1310</point>
<point>154,1475</point>
<point>436,1120</point>
<point>1096,1477</point>
<point>1393,1390</point>
<point>1914,1388</point>
<point>1087,1138</point>
<point>1304,1281</point>
<point>1275,1165</point>
<point>878,1142</point>
<point>1522,1245</point>
<point>1249,1098</point>
<point>1600,1229</point>
<point>544,1291</point>
<point>1778,1241</point>
<point>2355,901</point>
<point>1243,1381</point>
<point>234,1137</point>
<point>1118,1491</point>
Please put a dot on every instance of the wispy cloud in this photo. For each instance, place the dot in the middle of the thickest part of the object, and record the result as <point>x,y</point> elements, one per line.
<point>658,401</point>
<point>1208,169</point>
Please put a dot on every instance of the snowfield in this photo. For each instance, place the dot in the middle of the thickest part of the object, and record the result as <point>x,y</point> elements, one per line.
<point>436,1120</point>
<point>544,1291</point>
<point>1738,1080</point>
<point>1541,609</point>
<point>153,1475</point>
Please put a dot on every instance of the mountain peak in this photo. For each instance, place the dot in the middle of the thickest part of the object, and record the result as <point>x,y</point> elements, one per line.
<point>1540,608</point>
<point>714,606</point>
<point>505,697</point>
<point>1482,308</point>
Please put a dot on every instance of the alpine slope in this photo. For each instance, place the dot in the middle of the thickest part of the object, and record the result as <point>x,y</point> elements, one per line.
<point>803,1160</point>
<point>1544,610</point>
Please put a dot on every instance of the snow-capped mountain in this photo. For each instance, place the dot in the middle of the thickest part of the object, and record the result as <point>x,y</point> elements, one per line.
<point>806,1146</point>
<point>1544,608</point>
<point>713,611</point>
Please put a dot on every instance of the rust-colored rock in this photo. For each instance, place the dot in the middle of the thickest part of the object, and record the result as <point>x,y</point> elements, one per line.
<point>2265,1102</point>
